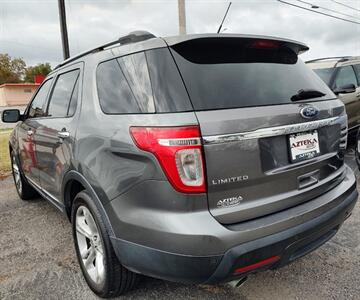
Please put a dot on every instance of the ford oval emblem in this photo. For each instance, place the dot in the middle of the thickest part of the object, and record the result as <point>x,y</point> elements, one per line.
<point>309,112</point>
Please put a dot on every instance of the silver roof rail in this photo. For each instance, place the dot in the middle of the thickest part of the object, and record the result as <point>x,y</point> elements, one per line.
<point>341,58</point>
<point>132,37</point>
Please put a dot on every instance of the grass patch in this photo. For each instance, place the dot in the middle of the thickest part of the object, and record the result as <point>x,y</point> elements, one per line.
<point>5,165</point>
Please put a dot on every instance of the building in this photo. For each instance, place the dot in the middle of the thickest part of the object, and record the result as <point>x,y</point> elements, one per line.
<point>17,94</point>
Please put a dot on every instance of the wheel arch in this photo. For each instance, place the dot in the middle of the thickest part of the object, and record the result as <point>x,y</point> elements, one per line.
<point>73,183</point>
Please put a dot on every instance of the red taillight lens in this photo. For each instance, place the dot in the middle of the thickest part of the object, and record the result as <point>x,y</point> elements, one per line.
<point>179,151</point>
<point>265,44</point>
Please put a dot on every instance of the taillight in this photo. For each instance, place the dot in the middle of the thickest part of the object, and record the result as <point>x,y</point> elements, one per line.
<point>265,44</point>
<point>179,152</point>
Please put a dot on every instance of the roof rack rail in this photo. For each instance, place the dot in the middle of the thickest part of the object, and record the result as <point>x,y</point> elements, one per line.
<point>342,58</point>
<point>132,37</point>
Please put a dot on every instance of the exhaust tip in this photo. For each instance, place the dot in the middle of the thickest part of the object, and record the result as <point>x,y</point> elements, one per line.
<point>238,282</point>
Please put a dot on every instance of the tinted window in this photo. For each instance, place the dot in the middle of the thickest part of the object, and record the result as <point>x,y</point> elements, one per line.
<point>37,105</point>
<point>74,99</point>
<point>61,95</point>
<point>169,91</point>
<point>357,71</point>
<point>345,76</point>
<point>124,85</point>
<point>231,73</point>
<point>114,93</point>
<point>325,74</point>
<point>136,72</point>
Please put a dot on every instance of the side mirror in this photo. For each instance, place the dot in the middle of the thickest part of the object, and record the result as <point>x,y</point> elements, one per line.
<point>11,116</point>
<point>345,89</point>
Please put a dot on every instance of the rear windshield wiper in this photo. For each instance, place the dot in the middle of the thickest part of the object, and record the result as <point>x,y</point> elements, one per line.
<point>306,94</point>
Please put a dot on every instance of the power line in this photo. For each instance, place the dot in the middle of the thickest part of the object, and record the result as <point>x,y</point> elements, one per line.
<point>326,9</point>
<point>348,6</point>
<point>318,12</point>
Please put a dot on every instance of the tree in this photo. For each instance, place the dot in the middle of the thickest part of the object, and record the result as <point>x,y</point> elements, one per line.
<point>11,70</point>
<point>39,69</point>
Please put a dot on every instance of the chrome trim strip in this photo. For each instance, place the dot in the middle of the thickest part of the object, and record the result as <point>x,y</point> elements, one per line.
<point>42,190</point>
<point>271,131</point>
<point>33,183</point>
<point>180,142</point>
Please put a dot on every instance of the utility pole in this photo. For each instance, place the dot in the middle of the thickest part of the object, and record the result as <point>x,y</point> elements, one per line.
<point>182,17</point>
<point>63,29</point>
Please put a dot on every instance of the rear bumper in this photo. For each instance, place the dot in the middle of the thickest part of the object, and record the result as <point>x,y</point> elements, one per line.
<point>287,244</point>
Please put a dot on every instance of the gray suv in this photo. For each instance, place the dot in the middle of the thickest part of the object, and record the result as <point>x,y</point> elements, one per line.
<point>196,159</point>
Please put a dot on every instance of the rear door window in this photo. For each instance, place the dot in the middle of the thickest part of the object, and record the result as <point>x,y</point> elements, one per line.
<point>74,99</point>
<point>124,85</point>
<point>62,94</point>
<point>230,73</point>
<point>345,76</point>
<point>357,72</point>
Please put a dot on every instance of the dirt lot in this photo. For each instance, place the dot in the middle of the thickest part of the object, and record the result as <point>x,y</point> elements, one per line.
<point>37,261</point>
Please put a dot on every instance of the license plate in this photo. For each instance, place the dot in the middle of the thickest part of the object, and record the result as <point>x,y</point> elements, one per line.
<point>304,145</point>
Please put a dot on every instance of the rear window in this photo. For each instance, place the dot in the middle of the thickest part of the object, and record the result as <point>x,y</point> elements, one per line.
<point>228,73</point>
<point>325,74</point>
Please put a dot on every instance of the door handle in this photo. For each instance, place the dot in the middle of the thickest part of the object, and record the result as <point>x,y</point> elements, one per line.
<point>30,132</point>
<point>63,134</point>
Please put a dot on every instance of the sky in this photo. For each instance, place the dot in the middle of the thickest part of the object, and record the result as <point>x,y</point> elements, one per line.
<point>30,29</point>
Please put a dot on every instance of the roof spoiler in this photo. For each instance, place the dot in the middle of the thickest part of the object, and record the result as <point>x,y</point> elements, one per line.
<point>296,46</point>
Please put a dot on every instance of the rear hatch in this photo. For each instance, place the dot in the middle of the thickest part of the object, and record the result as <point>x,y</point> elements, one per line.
<point>264,152</point>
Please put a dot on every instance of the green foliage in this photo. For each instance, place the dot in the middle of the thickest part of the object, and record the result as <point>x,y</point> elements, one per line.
<point>39,69</point>
<point>11,70</point>
<point>14,70</point>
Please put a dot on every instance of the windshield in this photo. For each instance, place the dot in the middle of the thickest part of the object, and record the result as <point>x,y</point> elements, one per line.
<point>325,74</point>
<point>227,73</point>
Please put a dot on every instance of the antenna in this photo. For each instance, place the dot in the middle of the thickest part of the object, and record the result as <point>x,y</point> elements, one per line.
<point>222,22</point>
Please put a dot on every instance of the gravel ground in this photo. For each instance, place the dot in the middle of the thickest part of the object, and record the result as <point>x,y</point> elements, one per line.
<point>37,261</point>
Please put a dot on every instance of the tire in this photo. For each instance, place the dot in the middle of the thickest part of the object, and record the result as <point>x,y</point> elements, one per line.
<point>100,266</point>
<point>23,188</point>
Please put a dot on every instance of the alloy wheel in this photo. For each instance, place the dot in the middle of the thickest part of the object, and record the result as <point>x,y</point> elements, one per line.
<point>17,176</point>
<point>90,245</point>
